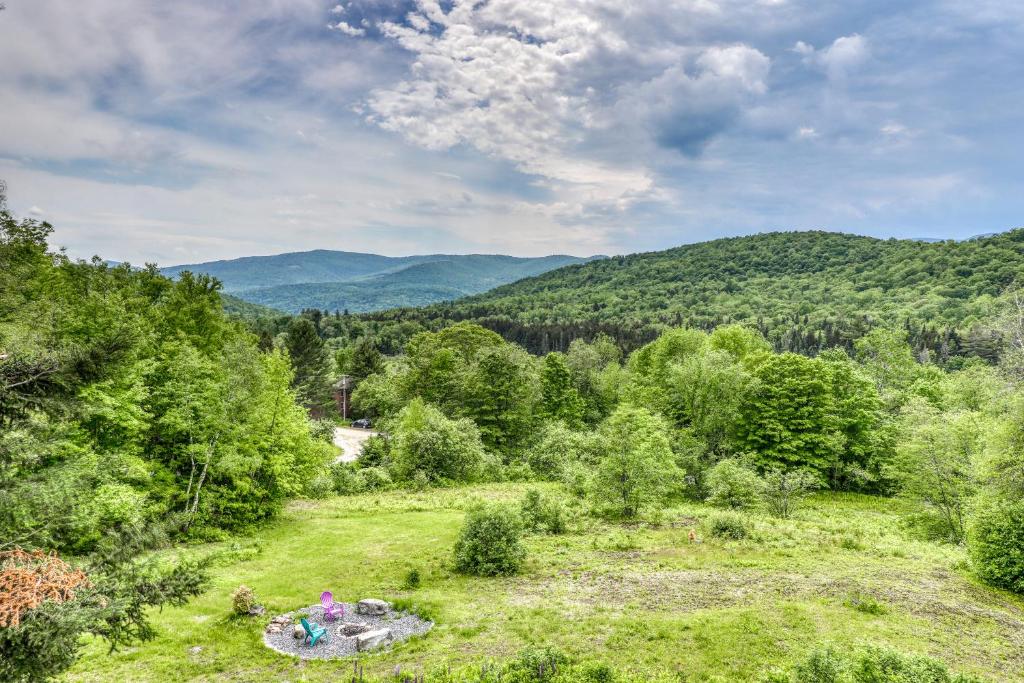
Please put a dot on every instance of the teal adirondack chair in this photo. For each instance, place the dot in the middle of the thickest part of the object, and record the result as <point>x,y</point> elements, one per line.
<point>313,632</point>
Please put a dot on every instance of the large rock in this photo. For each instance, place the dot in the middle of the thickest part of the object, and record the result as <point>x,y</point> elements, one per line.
<point>371,639</point>
<point>352,628</point>
<point>372,606</point>
<point>298,631</point>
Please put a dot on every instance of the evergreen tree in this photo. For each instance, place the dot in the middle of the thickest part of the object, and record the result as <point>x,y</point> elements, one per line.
<point>366,360</point>
<point>310,361</point>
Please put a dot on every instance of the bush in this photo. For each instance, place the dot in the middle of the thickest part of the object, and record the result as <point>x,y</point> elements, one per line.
<point>873,665</point>
<point>375,479</point>
<point>535,665</point>
<point>412,579</point>
<point>445,450</point>
<point>420,481</point>
<point>322,430</point>
<point>728,526</point>
<point>560,447</point>
<point>376,452</point>
<point>243,600</point>
<point>543,514</point>
<point>118,505</point>
<point>732,484</point>
<point>821,666</point>
<point>321,486</point>
<point>346,479</point>
<point>785,491</point>
<point>517,471</point>
<point>865,603</point>
<point>489,543</point>
<point>996,543</point>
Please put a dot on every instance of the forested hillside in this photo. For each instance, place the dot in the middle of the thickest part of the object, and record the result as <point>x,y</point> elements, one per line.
<point>805,291</point>
<point>345,281</point>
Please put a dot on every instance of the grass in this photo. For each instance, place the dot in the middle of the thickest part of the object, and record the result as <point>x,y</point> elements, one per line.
<point>638,597</point>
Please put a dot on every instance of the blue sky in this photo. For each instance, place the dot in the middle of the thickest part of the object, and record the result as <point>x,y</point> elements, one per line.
<point>204,129</point>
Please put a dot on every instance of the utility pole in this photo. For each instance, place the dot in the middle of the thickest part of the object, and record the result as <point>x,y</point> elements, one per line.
<point>344,384</point>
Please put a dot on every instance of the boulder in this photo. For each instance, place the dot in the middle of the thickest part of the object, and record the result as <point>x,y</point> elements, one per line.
<point>352,628</point>
<point>371,639</point>
<point>372,606</point>
<point>298,631</point>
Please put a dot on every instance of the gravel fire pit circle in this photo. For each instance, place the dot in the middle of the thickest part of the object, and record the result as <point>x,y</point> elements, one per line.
<point>401,625</point>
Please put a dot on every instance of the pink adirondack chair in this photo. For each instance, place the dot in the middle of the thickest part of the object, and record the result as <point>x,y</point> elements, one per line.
<point>332,610</point>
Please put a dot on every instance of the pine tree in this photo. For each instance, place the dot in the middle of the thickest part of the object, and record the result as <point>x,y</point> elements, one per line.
<point>309,359</point>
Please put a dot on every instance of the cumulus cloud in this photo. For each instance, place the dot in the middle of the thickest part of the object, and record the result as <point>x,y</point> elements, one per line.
<point>192,130</point>
<point>845,54</point>
<point>541,83</point>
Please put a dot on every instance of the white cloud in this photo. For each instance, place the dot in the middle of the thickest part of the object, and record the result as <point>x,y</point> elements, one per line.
<point>845,54</point>
<point>347,29</point>
<point>529,82</point>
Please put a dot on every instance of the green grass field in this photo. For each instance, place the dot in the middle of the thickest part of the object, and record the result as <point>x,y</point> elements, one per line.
<point>641,598</point>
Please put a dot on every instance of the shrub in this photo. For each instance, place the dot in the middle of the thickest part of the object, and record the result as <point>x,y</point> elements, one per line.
<point>375,479</point>
<point>821,666</point>
<point>785,491</point>
<point>733,485</point>
<point>412,579</point>
<point>865,603</point>
<point>873,665</point>
<point>996,543</point>
<point>445,450</point>
<point>541,513</point>
<point>322,430</point>
<point>376,452</point>
<point>535,665</point>
<point>118,505</point>
<point>560,447</point>
<point>320,486</point>
<point>489,543</point>
<point>346,479</point>
<point>728,526</point>
<point>517,471</point>
<point>420,481</point>
<point>243,600</point>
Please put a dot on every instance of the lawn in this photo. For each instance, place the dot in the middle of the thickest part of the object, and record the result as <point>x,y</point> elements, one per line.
<point>640,597</point>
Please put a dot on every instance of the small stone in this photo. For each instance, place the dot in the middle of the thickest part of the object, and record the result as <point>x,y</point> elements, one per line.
<point>372,606</point>
<point>352,628</point>
<point>195,650</point>
<point>273,628</point>
<point>282,619</point>
<point>298,631</point>
<point>372,639</point>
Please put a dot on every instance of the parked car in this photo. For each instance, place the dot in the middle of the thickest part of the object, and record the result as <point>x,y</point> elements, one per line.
<point>362,423</point>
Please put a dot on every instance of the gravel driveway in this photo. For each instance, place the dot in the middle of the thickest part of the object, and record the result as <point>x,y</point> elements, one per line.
<point>350,441</point>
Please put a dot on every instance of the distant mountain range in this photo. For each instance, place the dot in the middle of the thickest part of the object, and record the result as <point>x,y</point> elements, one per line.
<point>341,280</point>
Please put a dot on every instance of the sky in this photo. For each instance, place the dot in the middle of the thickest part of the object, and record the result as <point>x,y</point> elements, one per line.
<point>193,130</point>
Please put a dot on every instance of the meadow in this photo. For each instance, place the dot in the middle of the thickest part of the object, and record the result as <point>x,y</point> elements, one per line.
<point>640,597</point>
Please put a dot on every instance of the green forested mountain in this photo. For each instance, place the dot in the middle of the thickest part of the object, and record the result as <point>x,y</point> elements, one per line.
<point>805,291</point>
<point>338,280</point>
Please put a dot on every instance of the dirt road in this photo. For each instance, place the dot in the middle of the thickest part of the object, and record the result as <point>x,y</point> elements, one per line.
<point>350,441</point>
